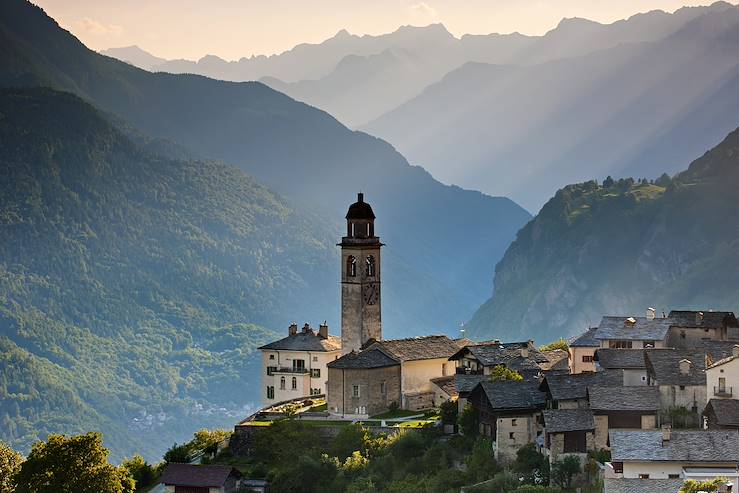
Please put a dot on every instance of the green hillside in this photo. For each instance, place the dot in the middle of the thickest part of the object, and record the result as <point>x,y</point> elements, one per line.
<point>618,249</point>
<point>134,287</point>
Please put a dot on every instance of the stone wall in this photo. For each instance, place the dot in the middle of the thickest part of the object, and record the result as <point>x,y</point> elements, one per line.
<point>341,398</point>
<point>512,433</point>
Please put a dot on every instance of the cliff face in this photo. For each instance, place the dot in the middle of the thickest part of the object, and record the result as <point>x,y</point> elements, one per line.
<point>617,248</point>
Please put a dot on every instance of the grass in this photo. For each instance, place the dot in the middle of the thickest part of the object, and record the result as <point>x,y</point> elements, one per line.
<point>398,413</point>
<point>320,422</point>
<point>319,408</point>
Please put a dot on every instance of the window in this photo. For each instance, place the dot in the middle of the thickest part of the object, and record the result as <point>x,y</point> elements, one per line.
<point>315,373</point>
<point>673,476</point>
<point>282,383</point>
<point>271,370</point>
<point>270,392</point>
<point>271,356</point>
<point>643,476</point>
<point>315,359</point>
<point>587,358</point>
<point>620,344</point>
<point>370,261</point>
<point>618,467</point>
<point>295,384</point>
<point>299,365</point>
<point>351,266</point>
<point>355,390</point>
<point>682,387</point>
<point>510,436</point>
<point>443,369</point>
<point>514,422</point>
<point>383,387</point>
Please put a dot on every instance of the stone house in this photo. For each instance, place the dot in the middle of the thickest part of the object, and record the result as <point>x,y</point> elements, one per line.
<point>363,384</point>
<point>722,377</point>
<point>565,391</point>
<point>509,413</point>
<point>680,376</point>
<point>721,414</point>
<point>582,352</point>
<point>480,359</point>
<point>191,478</point>
<point>557,362</point>
<point>622,407</point>
<point>632,332</point>
<point>628,362</point>
<point>295,366</point>
<point>673,454</point>
<point>686,327</point>
<point>464,384</point>
<point>568,431</point>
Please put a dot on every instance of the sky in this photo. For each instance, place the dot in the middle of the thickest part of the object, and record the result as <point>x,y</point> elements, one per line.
<point>232,29</point>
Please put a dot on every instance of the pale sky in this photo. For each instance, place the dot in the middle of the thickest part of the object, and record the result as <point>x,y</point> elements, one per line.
<point>235,28</point>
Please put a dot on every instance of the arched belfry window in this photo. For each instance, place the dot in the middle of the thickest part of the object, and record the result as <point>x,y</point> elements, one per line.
<point>370,265</point>
<point>351,266</point>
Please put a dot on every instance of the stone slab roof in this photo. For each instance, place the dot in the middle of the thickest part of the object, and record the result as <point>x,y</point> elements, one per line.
<point>708,319</point>
<point>586,339</point>
<point>197,476</point>
<point>419,348</point>
<point>562,420</point>
<point>373,357</point>
<point>509,354</point>
<point>557,361</point>
<point>510,395</point>
<point>623,398</point>
<point>726,411</point>
<point>575,386</point>
<point>623,485</point>
<point>610,359</point>
<point>617,328</point>
<point>446,384</point>
<point>664,366</point>
<point>306,341</point>
<point>465,383</point>
<point>684,445</point>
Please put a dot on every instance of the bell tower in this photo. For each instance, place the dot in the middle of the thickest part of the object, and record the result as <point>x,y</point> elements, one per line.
<point>361,318</point>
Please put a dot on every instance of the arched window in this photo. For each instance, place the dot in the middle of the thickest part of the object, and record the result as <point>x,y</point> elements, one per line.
<point>370,265</point>
<point>295,383</point>
<point>282,383</point>
<point>351,266</point>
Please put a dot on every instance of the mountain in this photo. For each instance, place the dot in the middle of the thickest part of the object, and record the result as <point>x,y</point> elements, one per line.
<point>618,248</point>
<point>135,56</point>
<point>134,287</point>
<point>633,109</point>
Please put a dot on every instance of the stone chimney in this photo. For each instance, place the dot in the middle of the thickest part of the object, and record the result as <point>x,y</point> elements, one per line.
<point>651,313</point>
<point>525,352</point>
<point>685,366</point>
<point>630,322</point>
<point>666,434</point>
<point>323,330</point>
<point>698,318</point>
<point>293,329</point>
<point>735,350</point>
<point>306,329</point>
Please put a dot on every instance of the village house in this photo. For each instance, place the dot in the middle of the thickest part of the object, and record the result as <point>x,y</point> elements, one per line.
<point>191,478</point>
<point>508,412</point>
<point>568,431</point>
<point>622,407</point>
<point>686,327</point>
<point>721,414</point>
<point>633,332</point>
<point>480,359</point>
<point>565,391</point>
<point>673,454</point>
<point>582,352</point>
<point>722,377</point>
<point>295,366</point>
<point>628,362</point>
<point>464,385</point>
<point>680,377</point>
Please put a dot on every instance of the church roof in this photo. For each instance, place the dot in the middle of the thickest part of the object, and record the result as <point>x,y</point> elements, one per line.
<point>419,348</point>
<point>360,209</point>
<point>373,357</point>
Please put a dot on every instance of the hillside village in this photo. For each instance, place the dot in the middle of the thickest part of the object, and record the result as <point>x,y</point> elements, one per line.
<point>652,397</point>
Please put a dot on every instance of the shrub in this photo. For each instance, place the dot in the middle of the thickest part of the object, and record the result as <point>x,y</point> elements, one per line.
<point>467,420</point>
<point>449,412</point>
<point>563,470</point>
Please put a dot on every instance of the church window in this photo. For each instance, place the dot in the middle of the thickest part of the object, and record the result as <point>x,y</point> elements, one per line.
<point>370,265</point>
<point>282,383</point>
<point>351,266</point>
<point>355,390</point>
<point>270,392</point>
<point>295,383</point>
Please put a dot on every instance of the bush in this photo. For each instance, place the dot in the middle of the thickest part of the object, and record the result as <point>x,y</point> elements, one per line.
<point>503,482</point>
<point>560,344</point>
<point>563,470</point>
<point>449,412</point>
<point>500,373</point>
<point>534,466</point>
<point>467,421</point>
<point>142,472</point>
<point>480,462</point>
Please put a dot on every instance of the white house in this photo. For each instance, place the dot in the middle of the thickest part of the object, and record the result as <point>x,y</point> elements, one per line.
<point>722,377</point>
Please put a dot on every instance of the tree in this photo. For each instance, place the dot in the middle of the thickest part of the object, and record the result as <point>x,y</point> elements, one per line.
<point>563,470</point>
<point>480,462</point>
<point>608,182</point>
<point>693,486</point>
<point>141,471</point>
<point>533,465</point>
<point>77,464</point>
<point>559,344</point>
<point>468,421</point>
<point>10,464</point>
<point>500,373</point>
<point>663,181</point>
<point>449,411</point>
<point>178,454</point>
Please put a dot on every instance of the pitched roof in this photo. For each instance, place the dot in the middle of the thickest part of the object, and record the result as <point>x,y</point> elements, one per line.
<point>561,420</point>
<point>643,329</point>
<point>684,445</point>
<point>586,339</point>
<point>664,366</point>
<point>196,475</point>
<point>305,340</point>
<point>703,319</point>
<point>635,485</point>
<point>509,354</point>
<point>723,361</point>
<point>373,357</point>
<point>623,398</point>
<point>446,384</point>
<point>510,395</point>
<point>564,387</point>
<point>609,359</point>
<point>465,383</point>
<point>419,348</point>
<point>726,411</point>
<point>557,361</point>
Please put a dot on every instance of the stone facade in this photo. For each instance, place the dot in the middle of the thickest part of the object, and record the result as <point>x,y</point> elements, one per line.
<point>581,359</point>
<point>363,391</point>
<point>512,433</point>
<point>687,396</point>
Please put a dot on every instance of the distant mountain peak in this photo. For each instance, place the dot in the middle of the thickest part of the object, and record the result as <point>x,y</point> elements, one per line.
<point>343,33</point>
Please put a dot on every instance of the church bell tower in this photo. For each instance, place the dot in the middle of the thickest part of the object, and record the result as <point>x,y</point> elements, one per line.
<point>361,318</point>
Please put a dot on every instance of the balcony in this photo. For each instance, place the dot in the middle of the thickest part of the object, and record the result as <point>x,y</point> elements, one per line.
<point>462,370</point>
<point>288,369</point>
<point>722,391</point>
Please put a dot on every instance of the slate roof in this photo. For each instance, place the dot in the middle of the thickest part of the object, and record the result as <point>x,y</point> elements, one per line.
<point>715,349</point>
<point>196,475</point>
<point>722,361</point>
<point>510,395</point>
<point>664,366</point>
<point>623,398</point>
<point>632,359</point>
<point>557,361</point>
<point>616,328</point>
<point>689,318</point>
<point>446,384</point>
<point>631,485</point>
<point>561,420</point>
<point>684,445</point>
<point>586,339</point>
<point>499,353</point>
<point>726,411</point>
<point>369,358</point>
<point>465,383</point>
<point>419,348</point>
<point>575,386</point>
<point>305,341</point>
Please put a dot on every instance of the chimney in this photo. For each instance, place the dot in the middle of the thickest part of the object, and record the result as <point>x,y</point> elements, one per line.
<point>293,329</point>
<point>630,322</point>
<point>666,434</point>
<point>651,313</point>
<point>323,330</point>
<point>525,352</point>
<point>698,318</point>
<point>735,351</point>
<point>306,329</point>
<point>685,366</point>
